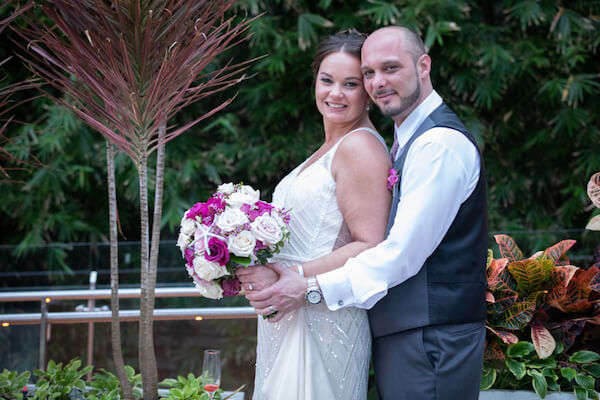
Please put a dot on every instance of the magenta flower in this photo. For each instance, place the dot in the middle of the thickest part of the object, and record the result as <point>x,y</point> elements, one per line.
<point>263,207</point>
<point>218,251</point>
<point>216,204</point>
<point>195,211</point>
<point>392,178</point>
<point>231,287</point>
<point>189,255</point>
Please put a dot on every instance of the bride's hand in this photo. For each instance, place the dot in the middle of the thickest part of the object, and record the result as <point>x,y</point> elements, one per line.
<point>256,277</point>
<point>285,295</point>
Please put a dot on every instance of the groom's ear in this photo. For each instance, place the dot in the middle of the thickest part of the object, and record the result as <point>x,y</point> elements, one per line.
<point>424,66</point>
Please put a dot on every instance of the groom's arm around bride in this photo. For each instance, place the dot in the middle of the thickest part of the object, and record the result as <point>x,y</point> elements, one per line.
<point>424,285</point>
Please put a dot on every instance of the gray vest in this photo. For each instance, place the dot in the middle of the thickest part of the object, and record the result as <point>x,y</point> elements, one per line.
<point>450,287</point>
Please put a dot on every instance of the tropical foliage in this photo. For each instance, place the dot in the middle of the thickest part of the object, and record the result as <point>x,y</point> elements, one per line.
<point>521,74</point>
<point>538,308</point>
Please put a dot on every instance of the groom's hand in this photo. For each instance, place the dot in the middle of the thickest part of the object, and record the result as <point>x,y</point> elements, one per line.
<point>285,295</point>
<point>256,277</point>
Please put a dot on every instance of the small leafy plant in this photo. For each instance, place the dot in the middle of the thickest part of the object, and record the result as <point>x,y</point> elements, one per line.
<point>106,385</point>
<point>537,307</point>
<point>61,383</point>
<point>12,384</point>
<point>187,388</point>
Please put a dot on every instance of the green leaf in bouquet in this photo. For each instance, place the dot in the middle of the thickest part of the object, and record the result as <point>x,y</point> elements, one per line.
<point>592,394</point>
<point>584,357</point>
<point>245,261</point>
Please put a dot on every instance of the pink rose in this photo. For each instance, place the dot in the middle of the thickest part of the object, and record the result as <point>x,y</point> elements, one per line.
<point>218,251</point>
<point>392,178</point>
<point>231,287</point>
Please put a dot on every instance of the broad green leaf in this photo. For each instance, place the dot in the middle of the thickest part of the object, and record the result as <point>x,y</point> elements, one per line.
<point>592,394</point>
<point>568,373</point>
<point>584,356</point>
<point>585,381</point>
<point>517,368</point>
<point>487,379</point>
<point>520,349</point>
<point>539,383</point>
<point>580,393</point>
<point>592,369</point>
<point>240,260</point>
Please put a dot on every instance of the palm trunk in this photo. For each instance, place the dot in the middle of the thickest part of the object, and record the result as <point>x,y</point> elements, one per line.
<point>147,357</point>
<point>115,331</point>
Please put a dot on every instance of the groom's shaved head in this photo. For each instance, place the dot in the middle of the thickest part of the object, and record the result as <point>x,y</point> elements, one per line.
<point>410,40</point>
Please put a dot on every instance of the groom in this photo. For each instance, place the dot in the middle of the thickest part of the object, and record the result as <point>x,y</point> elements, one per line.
<point>424,285</point>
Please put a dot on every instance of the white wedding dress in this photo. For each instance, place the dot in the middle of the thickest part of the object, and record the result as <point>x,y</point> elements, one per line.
<point>313,353</point>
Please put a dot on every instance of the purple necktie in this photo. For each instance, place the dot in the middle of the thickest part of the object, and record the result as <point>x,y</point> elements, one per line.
<point>394,149</point>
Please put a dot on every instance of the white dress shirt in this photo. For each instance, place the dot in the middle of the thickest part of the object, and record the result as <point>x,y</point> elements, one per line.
<point>440,172</point>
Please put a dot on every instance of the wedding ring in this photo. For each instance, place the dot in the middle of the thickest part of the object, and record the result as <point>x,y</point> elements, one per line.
<point>250,286</point>
<point>272,312</point>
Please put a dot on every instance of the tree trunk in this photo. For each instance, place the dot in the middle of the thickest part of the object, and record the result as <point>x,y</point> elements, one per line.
<point>156,219</point>
<point>115,326</point>
<point>147,357</point>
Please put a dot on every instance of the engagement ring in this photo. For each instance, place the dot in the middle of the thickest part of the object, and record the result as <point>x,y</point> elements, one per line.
<point>272,312</point>
<point>250,287</point>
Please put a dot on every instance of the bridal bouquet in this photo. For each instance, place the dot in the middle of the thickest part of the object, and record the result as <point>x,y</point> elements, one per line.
<point>232,229</point>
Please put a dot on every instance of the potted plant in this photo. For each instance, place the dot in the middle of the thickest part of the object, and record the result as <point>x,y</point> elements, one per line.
<point>537,308</point>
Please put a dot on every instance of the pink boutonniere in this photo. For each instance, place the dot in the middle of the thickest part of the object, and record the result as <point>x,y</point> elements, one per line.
<point>392,178</point>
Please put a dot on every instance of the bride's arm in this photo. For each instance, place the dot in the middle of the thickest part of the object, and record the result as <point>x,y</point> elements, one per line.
<point>360,168</point>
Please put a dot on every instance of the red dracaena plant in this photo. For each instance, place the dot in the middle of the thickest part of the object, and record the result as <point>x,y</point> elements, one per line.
<point>6,106</point>
<point>127,67</point>
<point>542,296</point>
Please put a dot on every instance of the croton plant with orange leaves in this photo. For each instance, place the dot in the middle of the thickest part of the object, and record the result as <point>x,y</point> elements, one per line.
<point>542,296</point>
<point>537,307</point>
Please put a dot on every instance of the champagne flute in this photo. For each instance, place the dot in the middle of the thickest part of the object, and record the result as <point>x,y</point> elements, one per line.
<point>211,371</point>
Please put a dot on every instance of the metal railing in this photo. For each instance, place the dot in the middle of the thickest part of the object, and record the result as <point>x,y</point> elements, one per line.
<point>92,314</point>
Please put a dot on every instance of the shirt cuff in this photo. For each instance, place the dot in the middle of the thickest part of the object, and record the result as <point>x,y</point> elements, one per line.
<point>336,289</point>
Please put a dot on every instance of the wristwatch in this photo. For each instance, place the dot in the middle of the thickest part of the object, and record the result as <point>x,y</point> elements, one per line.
<point>313,293</point>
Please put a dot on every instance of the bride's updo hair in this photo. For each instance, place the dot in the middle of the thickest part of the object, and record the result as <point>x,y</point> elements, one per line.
<point>348,41</point>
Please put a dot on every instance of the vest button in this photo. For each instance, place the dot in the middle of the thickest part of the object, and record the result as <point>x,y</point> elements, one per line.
<point>340,302</point>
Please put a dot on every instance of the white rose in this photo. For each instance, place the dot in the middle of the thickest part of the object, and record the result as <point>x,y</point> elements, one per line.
<point>242,244</point>
<point>209,289</point>
<point>182,242</point>
<point>244,195</point>
<point>266,229</point>
<point>188,226</point>
<point>230,219</point>
<point>226,188</point>
<point>208,270</point>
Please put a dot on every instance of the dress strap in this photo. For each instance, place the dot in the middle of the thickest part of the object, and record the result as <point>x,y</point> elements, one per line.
<point>331,152</point>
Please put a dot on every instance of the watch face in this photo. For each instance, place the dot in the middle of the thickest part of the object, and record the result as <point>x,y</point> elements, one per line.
<point>313,297</point>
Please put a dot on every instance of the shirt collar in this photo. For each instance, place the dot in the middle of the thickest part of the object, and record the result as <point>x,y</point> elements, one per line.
<point>408,127</point>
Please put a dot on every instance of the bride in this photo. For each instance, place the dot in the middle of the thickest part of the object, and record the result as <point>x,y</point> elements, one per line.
<point>339,205</point>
